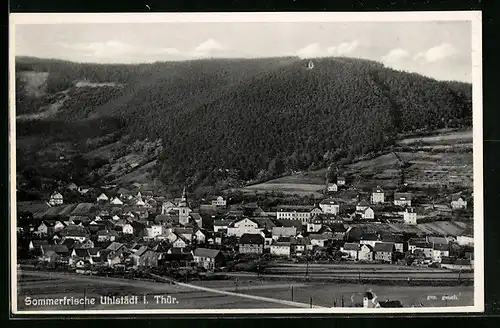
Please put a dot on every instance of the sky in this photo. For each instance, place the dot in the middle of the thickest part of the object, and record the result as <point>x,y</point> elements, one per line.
<point>441,50</point>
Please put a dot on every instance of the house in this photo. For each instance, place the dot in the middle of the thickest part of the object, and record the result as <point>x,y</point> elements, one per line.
<point>320,240</point>
<point>280,248</point>
<point>368,214</point>
<point>107,235</point>
<point>199,236</point>
<point>56,199</point>
<point>80,253</point>
<point>295,212</point>
<point>221,224</point>
<point>341,181</point>
<point>351,249</point>
<point>410,216</point>
<point>243,226</point>
<point>283,232</point>
<point>219,201</point>
<point>362,206</point>
<point>458,202</point>
<point>384,252</point>
<point>268,238</point>
<point>60,250</point>
<point>251,244</point>
<point>400,245</point>
<point>208,258</point>
<point>332,187</point>
<point>369,239</point>
<point>378,196</point>
<point>180,242</point>
<point>145,257</point>
<point>178,256</point>
<point>365,253</point>
<point>329,206</point>
<point>402,199</point>
<point>102,198</point>
<point>116,201</point>
<point>115,252</point>
<point>43,228</point>
<point>421,249</point>
<point>338,230</point>
<point>58,226</point>
<point>439,251</point>
<point>87,243</point>
<point>128,229</point>
<point>298,246</point>
<point>76,234</point>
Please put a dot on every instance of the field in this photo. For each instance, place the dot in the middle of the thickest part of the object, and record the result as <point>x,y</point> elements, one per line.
<point>430,161</point>
<point>40,285</point>
<point>443,228</point>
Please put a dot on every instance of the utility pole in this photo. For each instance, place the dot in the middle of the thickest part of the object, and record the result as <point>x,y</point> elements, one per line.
<point>311,302</point>
<point>292,293</point>
<point>342,300</point>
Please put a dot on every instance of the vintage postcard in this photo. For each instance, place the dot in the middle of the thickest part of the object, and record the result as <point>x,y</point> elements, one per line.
<point>246,163</point>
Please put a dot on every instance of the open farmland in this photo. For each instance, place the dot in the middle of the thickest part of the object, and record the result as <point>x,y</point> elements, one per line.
<point>429,161</point>
<point>301,189</point>
<point>451,137</point>
<point>443,228</point>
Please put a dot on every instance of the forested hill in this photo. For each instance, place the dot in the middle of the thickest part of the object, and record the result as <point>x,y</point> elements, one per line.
<point>259,117</point>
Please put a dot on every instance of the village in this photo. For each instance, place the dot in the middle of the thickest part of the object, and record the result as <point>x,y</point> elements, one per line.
<point>138,231</point>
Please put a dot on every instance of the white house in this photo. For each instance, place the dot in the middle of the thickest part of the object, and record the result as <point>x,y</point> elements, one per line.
<point>42,229</point>
<point>200,236</point>
<point>128,229</point>
<point>56,199</point>
<point>439,251</point>
<point>329,206</point>
<point>458,202</point>
<point>410,216</point>
<point>179,243</point>
<point>296,212</point>
<point>341,181</point>
<point>140,202</point>
<point>351,249</point>
<point>219,201</point>
<point>243,226</point>
<point>368,214</point>
<point>58,226</point>
<point>278,232</point>
<point>280,249</point>
<point>102,198</point>
<point>402,199</point>
<point>116,201</point>
<point>378,196</point>
<point>332,187</point>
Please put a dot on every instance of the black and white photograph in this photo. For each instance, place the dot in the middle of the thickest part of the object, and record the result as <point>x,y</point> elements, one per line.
<point>246,163</point>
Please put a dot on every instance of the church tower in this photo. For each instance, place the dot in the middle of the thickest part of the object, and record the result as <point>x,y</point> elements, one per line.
<point>184,210</point>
